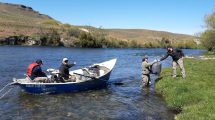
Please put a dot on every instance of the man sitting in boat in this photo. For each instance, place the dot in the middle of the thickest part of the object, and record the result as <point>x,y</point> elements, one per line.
<point>64,71</point>
<point>35,73</point>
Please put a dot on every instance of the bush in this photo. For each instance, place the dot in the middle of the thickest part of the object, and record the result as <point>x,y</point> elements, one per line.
<point>165,42</point>
<point>75,32</point>
<point>134,44</point>
<point>185,44</point>
<point>51,38</point>
<point>87,40</point>
<point>208,39</point>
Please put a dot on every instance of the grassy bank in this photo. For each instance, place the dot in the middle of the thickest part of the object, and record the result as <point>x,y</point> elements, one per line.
<point>209,54</point>
<point>195,95</point>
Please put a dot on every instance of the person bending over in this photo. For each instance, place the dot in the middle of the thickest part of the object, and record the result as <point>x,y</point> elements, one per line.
<point>177,59</point>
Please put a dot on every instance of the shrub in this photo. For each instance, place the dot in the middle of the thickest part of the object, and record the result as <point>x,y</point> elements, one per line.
<point>208,39</point>
<point>73,32</point>
<point>51,38</point>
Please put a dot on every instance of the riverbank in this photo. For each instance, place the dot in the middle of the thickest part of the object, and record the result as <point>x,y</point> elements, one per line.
<point>193,97</point>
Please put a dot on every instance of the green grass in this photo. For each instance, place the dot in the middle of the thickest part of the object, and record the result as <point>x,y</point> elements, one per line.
<point>195,95</point>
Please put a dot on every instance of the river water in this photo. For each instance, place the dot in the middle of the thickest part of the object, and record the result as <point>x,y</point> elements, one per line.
<point>118,102</point>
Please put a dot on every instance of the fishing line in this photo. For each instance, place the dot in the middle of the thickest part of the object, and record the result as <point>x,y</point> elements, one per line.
<point>6,93</point>
<point>4,87</point>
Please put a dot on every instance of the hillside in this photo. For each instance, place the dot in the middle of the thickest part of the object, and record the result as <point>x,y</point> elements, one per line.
<point>20,19</point>
<point>143,34</point>
<point>21,25</point>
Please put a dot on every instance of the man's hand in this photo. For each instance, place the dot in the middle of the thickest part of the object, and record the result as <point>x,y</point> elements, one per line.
<point>155,61</point>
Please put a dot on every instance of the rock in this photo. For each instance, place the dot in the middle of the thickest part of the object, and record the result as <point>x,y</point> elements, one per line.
<point>31,42</point>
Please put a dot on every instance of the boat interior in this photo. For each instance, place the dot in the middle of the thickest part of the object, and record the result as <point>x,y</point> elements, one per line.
<point>80,75</point>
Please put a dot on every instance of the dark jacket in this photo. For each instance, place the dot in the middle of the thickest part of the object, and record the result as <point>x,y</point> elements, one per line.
<point>64,70</point>
<point>37,72</point>
<point>176,54</point>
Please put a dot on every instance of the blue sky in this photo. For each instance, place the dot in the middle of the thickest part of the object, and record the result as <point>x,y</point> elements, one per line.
<point>178,16</point>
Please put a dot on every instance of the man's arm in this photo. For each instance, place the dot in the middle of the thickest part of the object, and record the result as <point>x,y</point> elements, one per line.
<point>39,71</point>
<point>42,73</point>
<point>71,65</point>
<point>149,64</point>
<point>164,57</point>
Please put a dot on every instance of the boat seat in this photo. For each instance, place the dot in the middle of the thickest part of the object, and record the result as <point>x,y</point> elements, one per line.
<point>87,72</point>
<point>101,72</point>
<point>105,69</point>
<point>27,79</point>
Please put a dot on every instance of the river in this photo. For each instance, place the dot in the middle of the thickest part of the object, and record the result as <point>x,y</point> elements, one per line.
<point>119,102</point>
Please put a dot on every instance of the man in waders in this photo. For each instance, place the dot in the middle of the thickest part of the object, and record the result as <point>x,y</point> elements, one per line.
<point>177,57</point>
<point>146,71</point>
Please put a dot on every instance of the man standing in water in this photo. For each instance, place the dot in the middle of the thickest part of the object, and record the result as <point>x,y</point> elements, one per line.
<point>177,57</point>
<point>146,71</point>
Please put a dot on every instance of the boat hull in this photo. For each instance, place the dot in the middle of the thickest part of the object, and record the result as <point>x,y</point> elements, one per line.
<point>52,88</point>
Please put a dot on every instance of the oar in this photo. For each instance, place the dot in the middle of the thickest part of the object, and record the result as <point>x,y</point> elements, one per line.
<point>86,76</point>
<point>118,83</point>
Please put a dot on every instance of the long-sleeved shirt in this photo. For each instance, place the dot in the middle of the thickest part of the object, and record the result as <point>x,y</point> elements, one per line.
<point>64,70</point>
<point>176,54</point>
<point>146,67</point>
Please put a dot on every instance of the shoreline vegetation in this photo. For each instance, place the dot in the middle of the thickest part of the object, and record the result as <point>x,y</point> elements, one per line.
<point>87,40</point>
<point>192,98</point>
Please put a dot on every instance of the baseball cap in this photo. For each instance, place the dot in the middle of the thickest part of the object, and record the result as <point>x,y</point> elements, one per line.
<point>145,57</point>
<point>39,61</point>
<point>65,59</point>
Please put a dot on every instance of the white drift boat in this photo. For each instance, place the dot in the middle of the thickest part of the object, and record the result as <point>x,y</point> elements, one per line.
<point>87,78</point>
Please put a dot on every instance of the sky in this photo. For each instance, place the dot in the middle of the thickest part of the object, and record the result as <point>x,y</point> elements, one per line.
<point>177,16</point>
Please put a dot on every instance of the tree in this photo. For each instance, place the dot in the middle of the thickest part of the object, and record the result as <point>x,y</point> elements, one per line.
<point>208,36</point>
<point>210,20</point>
<point>208,39</point>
